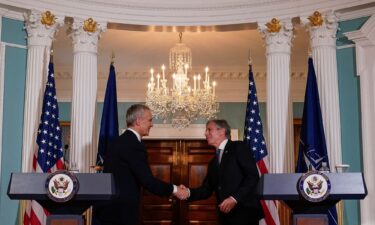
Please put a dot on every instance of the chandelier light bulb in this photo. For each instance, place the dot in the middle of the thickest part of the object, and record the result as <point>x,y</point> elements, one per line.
<point>163,69</point>
<point>199,81</point>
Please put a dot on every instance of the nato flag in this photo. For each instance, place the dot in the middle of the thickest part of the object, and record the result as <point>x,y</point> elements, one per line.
<point>109,124</point>
<point>312,147</point>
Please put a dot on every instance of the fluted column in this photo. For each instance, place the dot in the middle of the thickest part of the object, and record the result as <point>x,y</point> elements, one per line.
<point>41,29</point>
<point>278,36</point>
<point>85,36</point>
<point>364,40</point>
<point>323,46</point>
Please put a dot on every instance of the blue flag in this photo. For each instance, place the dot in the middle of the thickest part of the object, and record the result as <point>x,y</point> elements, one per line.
<point>312,147</point>
<point>109,124</point>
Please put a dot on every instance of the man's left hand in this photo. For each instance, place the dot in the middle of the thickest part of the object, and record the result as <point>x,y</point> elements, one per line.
<point>227,205</point>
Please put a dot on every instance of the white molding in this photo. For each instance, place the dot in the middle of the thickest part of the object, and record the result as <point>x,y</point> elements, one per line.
<point>66,73</point>
<point>346,46</point>
<point>12,13</point>
<point>355,14</point>
<point>2,69</point>
<point>15,45</point>
<point>186,13</point>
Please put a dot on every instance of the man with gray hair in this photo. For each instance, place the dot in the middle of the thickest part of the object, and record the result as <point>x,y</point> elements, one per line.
<point>126,159</point>
<point>233,175</point>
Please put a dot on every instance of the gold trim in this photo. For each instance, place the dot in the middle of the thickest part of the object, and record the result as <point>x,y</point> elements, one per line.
<point>89,25</point>
<point>48,18</point>
<point>316,19</point>
<point>274,25</point>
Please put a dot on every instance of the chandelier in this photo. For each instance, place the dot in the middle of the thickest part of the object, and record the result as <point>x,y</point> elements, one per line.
<point>181,103</point>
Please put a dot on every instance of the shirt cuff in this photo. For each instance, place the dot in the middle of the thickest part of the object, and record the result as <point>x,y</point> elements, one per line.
<point>233,199</point>
<point>174,189</point>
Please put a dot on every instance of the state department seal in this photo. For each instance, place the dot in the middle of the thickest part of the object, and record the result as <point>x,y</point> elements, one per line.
<point>61,186</point>
<point>314,186</point>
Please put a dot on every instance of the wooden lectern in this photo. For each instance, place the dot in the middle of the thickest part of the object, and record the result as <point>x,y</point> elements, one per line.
<point>93,187</point>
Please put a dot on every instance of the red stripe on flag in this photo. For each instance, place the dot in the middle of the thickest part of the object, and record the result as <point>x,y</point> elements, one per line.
<point>267,214</point>
<point>26,219</point>
<point>262,167</point>
<point>32,219</point>
<point>60,164</point>
<point>35,161</point>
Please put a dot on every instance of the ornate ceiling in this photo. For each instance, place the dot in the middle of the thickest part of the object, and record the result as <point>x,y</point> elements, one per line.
<point>220,33</point>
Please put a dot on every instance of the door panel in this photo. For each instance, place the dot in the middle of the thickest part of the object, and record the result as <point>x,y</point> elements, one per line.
<point>197,155</point>
<point>154,209</point>
<point>179,162</point>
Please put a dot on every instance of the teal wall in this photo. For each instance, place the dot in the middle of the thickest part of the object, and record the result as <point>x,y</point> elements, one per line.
<point>14,86</point>
<point>234,113</point>
<point>350,111</point>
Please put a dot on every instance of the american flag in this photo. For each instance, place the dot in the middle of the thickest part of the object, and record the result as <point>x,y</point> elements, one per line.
<point>253,136</point>
<point>49,156</point>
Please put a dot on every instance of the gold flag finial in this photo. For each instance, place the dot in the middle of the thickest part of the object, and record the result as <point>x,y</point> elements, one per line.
<point>249,60</point>
<point>274,26</point>
<point>89,25</point>
<point>316,19</point>
<point>48,18</point>
<point>112,57</point>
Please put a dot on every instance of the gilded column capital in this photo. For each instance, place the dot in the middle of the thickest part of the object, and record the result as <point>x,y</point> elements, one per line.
<point>322,29</point>
<point>278,35</point>
<point>85,34</point>
<point>41,27</point>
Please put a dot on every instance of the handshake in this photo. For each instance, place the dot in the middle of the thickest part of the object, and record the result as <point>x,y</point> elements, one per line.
<point>182,192</point>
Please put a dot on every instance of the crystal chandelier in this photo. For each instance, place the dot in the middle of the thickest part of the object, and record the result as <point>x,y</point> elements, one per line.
<point>181,104</point>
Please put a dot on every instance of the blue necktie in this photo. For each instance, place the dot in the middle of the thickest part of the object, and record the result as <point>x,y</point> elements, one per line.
<point>218,155</point>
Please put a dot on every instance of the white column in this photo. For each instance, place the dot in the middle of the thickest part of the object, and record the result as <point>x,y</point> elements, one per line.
<point>85,36</point>
<point>323,46</point>
<point>39,39</point>
<point>364,40</point>
<point>279,108</point>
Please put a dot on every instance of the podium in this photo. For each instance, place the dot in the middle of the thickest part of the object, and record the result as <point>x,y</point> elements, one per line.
<point>93,187</point>
<point>344,186</point>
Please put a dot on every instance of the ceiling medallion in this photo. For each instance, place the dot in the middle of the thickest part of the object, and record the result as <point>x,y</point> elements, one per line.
<point>89,25</point>
<point>48,18</point>
<point>274,26</point>
<point>316,19</point>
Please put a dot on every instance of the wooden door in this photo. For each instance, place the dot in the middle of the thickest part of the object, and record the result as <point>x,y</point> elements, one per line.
<point>196,155</point>
<point>162,157</point>
<point>178,162</point>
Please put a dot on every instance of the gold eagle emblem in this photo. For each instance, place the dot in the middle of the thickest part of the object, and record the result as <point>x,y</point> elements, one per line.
<point>90,25</point>
<point>48,18</point>
<point>274,26</point>
<point>316,19</point>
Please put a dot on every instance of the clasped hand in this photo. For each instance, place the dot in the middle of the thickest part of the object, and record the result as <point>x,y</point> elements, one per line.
<point>182,192</point>
<point>225,206</point>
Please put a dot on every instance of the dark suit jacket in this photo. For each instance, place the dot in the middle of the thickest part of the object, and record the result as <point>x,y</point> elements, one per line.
<point>127,160</point>
<point>236,176</point>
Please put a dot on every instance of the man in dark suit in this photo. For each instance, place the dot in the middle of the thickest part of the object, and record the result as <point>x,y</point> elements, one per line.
<point>126,159</point>
<point>233,175</point>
